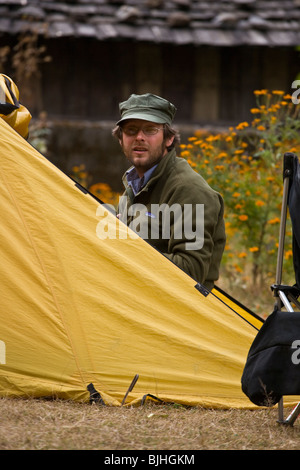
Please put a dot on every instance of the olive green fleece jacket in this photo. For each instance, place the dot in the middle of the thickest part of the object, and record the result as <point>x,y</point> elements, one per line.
<point>198,248</point>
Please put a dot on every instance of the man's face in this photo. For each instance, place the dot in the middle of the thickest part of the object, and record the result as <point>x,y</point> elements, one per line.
<point>142,144</point>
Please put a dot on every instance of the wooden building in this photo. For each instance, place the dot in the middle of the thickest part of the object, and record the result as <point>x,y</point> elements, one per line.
<point>207,57</point>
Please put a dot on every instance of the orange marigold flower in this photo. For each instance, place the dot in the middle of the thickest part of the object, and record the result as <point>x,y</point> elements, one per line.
<point>243,217</point>
<point>259,203</point>
<point>100,187</point>
<point>260,92</point>
<point>238,268</point>
<point>242,255</point>
<point>242,125</point>
<point>211,138</point>
<point>278,92</point>
<point>288,254</point>
<point>274,221</point>
<point>254,249</point>
<point>199,133</point>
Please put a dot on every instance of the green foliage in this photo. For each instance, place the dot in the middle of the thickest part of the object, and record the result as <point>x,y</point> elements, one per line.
<point>245,165</point>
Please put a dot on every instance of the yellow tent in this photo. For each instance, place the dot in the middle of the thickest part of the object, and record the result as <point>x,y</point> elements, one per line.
<point>80,307</point>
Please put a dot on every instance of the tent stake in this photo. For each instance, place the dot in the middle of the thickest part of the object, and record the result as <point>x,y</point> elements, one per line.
<point>134,381</point>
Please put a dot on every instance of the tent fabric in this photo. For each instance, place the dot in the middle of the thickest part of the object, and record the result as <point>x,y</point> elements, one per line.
<point>79,306</point>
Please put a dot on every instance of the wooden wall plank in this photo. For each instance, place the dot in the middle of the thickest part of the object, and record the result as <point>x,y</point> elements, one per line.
<point>206,85</point>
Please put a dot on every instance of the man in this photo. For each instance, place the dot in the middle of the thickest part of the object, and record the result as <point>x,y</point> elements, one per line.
<point>165,200</point>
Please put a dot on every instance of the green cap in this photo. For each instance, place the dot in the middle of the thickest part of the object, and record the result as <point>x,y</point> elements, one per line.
<point>147,107</point>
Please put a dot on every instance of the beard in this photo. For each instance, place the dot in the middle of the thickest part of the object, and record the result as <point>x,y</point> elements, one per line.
<point>142,156</point>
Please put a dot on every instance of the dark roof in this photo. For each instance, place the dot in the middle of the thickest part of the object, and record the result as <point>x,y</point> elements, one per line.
<point>208,22</point>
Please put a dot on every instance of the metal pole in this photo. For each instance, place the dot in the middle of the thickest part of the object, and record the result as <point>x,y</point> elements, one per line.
<point>286,182</point>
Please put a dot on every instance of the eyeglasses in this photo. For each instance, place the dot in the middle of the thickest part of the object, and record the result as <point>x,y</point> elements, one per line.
<point>147,130</point>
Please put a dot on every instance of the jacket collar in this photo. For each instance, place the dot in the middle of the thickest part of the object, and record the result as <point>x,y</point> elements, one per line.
<point>166,162</point>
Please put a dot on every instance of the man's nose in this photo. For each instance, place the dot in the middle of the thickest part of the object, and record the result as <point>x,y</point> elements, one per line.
<point>140,134</point>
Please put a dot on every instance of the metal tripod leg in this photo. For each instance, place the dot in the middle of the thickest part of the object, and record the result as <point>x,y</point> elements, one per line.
<point>286,183</point>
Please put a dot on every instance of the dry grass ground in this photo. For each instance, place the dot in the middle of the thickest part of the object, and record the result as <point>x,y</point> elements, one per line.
<point>61,425</point>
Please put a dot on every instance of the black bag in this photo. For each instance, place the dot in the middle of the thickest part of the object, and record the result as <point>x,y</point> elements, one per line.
<point>272,368</point>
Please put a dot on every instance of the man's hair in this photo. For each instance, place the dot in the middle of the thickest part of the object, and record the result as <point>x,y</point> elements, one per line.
<point>168,133</point>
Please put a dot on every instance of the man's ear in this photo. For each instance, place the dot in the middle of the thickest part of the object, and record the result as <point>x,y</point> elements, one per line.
<point>170,141</point>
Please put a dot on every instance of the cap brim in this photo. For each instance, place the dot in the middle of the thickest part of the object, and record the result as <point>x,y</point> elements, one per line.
<point>145,117</point>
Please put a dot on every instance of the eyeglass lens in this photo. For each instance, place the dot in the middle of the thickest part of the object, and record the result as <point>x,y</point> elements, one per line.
<point>147,130</point>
